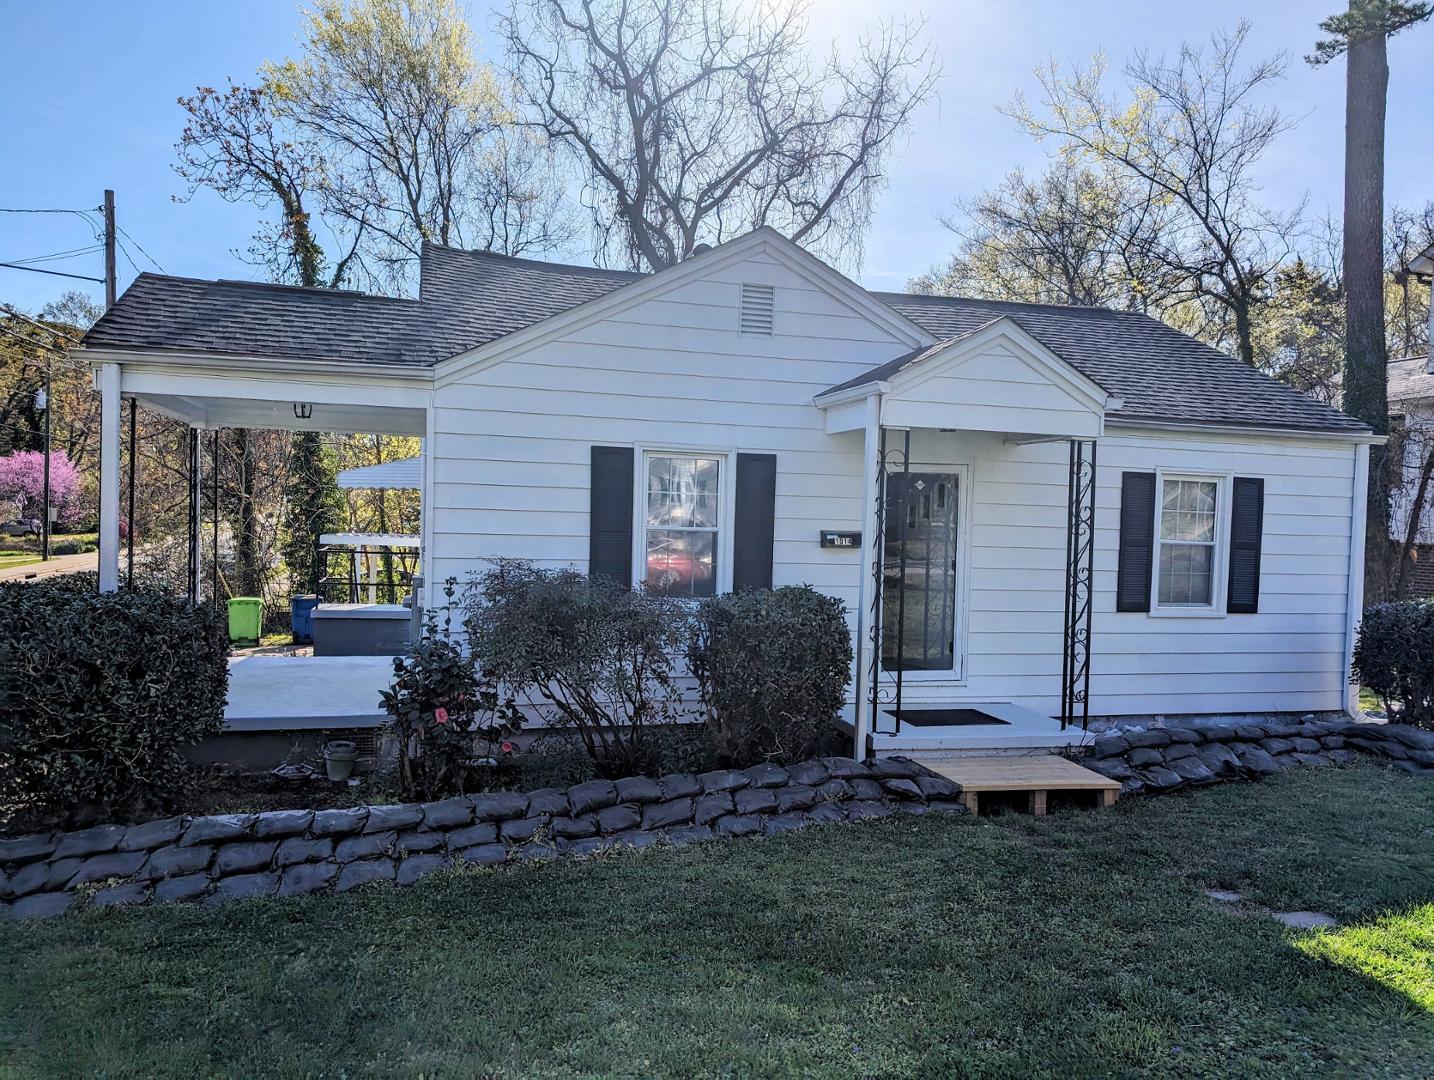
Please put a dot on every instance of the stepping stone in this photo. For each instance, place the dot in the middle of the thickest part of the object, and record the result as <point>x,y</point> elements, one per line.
<point>1305,920</point>
<point>1225,896</point>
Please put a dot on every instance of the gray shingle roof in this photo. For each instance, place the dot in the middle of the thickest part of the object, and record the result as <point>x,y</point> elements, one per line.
<point>1410,379</point>
<point>467,299</point>
<point>1158,372</point>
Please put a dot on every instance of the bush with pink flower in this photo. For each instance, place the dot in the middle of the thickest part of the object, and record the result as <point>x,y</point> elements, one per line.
<point>449,721</point>
<point>22,484</point>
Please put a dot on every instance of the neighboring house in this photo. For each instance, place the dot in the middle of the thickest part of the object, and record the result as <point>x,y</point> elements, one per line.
<point>750,417</point>
<point>1411,411</point>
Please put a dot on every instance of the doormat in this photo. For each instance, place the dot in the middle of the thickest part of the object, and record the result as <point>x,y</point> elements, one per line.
<point>945,717</point>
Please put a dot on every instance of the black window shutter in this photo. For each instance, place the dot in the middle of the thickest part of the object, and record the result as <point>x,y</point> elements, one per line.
<point>610,514</point>
<point>1247,527</point>
<point>755,525</point>
<point>1137,541</point>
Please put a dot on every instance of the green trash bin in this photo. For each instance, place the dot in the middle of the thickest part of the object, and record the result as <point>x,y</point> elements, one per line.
<point>246,620</point>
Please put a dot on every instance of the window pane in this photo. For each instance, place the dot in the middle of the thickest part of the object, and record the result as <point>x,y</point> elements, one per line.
<point>681,563</point>
<point>682,491</point>
<point>1185,573</point>
<point>1188,510</point>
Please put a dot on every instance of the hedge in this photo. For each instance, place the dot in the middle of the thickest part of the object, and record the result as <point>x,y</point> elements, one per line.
<point>772,667</point>
<point>100,694</point>
<point>1394,659</point>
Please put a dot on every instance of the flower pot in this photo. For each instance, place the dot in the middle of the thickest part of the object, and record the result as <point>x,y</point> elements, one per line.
<point>339,758</point>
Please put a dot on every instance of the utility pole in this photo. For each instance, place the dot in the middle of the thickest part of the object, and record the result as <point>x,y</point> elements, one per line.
<point>109,249</point>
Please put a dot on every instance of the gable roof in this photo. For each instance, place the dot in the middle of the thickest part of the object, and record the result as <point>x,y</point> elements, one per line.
<point>1158,373</point>
<point>468,299</point>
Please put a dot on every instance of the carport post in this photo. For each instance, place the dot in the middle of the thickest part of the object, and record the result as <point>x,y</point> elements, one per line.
<point>109,380</point>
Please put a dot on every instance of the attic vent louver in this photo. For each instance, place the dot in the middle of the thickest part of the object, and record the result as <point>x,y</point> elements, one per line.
<point>758,302</point>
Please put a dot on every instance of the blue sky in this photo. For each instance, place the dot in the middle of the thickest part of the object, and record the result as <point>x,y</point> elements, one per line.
<point>87,101</point>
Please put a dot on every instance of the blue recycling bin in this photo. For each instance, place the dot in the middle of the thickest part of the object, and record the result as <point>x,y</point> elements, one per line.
<point>301,617</point>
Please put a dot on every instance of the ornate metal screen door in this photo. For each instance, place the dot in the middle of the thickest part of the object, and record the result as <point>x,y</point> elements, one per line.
<point>919,592</point>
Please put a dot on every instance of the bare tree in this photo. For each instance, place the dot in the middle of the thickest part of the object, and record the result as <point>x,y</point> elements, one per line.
<point>696,121</point>
<point>234,145</point>
<point>1193,132</point>
<point>1407,233</point>
<point>415,134</point>
<point>1071,236</point>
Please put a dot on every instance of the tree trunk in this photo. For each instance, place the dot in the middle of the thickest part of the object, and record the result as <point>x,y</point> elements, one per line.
<point>1365,359</point>
<point>248,573</point>
<point>1244,331</point>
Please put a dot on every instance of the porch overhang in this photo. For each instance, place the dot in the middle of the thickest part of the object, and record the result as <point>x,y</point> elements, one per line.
<point>995,379</point>
<point>214,391</point>
<point>210,391</point>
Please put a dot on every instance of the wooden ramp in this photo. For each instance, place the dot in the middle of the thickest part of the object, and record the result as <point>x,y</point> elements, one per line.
<point>1035,774</point>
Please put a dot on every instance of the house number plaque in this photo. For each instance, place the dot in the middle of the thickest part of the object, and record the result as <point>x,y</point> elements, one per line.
<point>837,538</point>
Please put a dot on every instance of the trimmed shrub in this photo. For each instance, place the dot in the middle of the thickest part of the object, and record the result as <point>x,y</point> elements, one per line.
<point>772,668</point>
<point>101,693</point>
<point>594,656</point>
<point>1394,659</point>
<point>450,723</point>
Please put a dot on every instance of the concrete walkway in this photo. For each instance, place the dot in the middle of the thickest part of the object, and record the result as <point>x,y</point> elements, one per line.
<point>58,564</point>
<point>301,693</point>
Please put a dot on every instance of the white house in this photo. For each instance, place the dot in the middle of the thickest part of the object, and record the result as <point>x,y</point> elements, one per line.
<point>1036,513</point>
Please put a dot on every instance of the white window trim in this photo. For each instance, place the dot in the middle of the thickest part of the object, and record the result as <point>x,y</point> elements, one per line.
<point>726,507</point>
<point>1220,564</point>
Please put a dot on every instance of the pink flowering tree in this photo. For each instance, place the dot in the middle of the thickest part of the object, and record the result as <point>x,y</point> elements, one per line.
<point>22,483</point>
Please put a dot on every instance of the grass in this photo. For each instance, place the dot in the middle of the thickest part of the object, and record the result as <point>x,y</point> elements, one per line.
<point>9,559</point>
<point>1077,944</point>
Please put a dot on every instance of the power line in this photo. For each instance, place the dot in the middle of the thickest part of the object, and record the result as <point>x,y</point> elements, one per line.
<point>45,210</point>
<point>55,273</point>
<point>141,250</point>
<point>72,253</point>
<point>8,310</point>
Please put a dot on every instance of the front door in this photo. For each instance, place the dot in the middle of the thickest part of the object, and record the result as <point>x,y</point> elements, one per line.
<point>918,631</point>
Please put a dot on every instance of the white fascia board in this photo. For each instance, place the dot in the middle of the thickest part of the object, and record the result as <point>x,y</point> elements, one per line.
<point>257,366</point>
<point>1094,396</point>
<point>1155,427</point>
<point>764,240</point>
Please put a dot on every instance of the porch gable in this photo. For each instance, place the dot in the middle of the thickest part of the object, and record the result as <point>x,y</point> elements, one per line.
<point>997,378</point>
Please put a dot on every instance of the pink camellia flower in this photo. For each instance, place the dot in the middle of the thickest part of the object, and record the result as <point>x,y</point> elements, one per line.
<point>440,715</point>
<point>507,748</point>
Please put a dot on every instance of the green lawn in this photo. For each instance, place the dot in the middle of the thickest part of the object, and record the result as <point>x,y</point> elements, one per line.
<point>1077,944</point>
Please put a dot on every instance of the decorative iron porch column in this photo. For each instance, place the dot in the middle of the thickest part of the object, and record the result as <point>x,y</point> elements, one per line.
<point>867,598</point>
<point>1080,551</point>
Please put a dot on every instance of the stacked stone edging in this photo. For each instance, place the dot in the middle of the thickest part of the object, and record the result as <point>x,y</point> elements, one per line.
<point>1163,759</point>
<point>296,852</point>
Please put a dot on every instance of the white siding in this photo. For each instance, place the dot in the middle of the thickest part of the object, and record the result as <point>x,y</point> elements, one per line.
<point>995,390</point>
<point>512,441</point>
<point>510,457</point>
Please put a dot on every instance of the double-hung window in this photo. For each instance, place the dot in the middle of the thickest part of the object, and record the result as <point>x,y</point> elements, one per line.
<point>1188,536</point>
<point>682,521</point>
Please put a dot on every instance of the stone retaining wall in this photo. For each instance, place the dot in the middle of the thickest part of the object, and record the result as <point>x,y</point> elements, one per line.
<point>1164,759</point>
<point>294,852</point>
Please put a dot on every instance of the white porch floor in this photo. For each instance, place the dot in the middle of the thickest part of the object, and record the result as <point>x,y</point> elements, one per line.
<point>304,693</point>
<point>1024,730</point>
